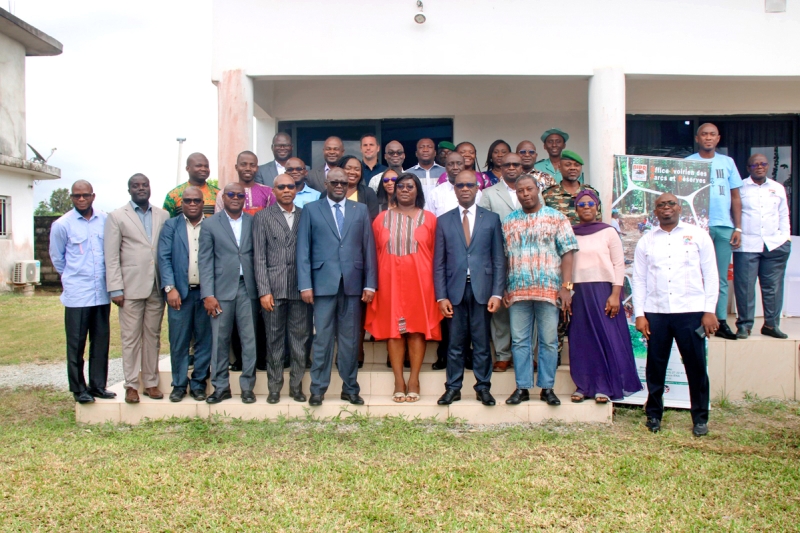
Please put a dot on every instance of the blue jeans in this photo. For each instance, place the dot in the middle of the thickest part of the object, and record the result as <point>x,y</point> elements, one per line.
<point>523,317</point>
<point>721,236</point>
<point>190,319</point>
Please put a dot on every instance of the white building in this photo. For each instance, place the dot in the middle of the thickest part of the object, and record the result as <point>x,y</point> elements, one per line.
<point>17,175</point>
<point>622,76</point>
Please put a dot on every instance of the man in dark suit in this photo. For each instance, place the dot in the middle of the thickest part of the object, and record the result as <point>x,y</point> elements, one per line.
<point>332,151</point>
<point>469,272</point>
<point>229,292</point>
<point>281,152</point>
<point>178,248</point>
<point>336,271</point>
<point>286,316</point>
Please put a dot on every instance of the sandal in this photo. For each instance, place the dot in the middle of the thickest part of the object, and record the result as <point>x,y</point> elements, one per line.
<point>412,397</point>
<point>601,398</point>
<point>577,397</point>
<point>399,397</point>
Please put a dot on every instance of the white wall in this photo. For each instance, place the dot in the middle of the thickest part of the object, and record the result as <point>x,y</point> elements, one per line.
<point>491,37</point>
<point>12,98</point>
<point>19,245</point>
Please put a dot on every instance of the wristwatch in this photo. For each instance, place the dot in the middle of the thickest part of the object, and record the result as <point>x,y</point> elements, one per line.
<point>168,288</point>
<point>737,229</point>
<point>567,285</point>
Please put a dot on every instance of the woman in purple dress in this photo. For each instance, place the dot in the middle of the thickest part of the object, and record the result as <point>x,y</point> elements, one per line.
<point>600,352</point>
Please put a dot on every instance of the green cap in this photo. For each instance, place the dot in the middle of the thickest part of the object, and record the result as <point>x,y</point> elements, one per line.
<point>447,144</point>
<point>557,131</point>
<point>569,154</point>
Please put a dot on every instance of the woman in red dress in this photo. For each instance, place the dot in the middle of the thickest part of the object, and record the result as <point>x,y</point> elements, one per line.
<point>404,309</point>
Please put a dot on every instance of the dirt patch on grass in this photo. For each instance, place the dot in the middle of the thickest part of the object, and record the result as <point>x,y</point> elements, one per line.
<point>34,404</point>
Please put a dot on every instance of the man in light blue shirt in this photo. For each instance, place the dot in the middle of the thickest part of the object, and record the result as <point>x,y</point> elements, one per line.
<point>724,213</point>
<point>426,169</point>
<point>296,168</point>
<point>76,250</point>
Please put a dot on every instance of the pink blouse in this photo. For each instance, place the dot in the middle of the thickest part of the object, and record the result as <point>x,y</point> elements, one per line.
<point>599,258</point>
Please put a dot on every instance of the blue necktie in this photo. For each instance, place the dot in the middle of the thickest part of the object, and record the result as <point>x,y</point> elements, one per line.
<point>339,218</point>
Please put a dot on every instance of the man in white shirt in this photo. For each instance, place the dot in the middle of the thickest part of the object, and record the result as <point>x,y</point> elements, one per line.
<point>443,198</point>
<point>675,289</point>
<point>765,249</point>
<point>426,169</point>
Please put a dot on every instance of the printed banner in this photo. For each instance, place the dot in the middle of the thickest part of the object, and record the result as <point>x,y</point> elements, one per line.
<point>638,181</point>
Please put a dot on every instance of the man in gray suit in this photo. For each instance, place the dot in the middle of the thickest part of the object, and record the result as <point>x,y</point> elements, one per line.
<point>336,271</point>
<point>287,317</point>
<point>229,292</point>
<point>502,199</point>
<point>281,151</point>
<point>332,151</point>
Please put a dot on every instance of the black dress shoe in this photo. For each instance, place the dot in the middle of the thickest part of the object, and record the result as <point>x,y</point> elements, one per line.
<point>235,367</point>
<point>103,393</point>
<point>653,424</point>
<point>198,394</point>
<point>316,399</point>
<point>742,333</point>
<point>486,397</point>
<point>773,332</point>
<point>518,396</point>
<point>440,364</point>
<point>355,399</point>
<point>248,396</point>
<point>449,396</point>
<point>83,397</point>
<point>700,430</point>
<point>274,397</point>
<point>177,395</point>
<point>725,332</point>
<point>547,395</point>
<point>219,396</point>
<point>298,396</point>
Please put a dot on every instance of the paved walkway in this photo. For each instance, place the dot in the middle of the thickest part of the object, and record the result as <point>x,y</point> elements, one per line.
<point>51,374</point>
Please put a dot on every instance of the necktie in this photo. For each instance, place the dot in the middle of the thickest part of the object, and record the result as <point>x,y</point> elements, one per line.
<point>465,224</point>
<point>339,218</point>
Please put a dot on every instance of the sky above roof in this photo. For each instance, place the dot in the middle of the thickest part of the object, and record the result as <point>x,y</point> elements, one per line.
<point>134,76</point>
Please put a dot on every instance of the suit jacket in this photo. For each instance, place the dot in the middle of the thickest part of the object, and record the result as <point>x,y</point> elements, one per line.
<point>131,258</point>
<point>173,255</point>
<point>219,257</point>
<point>484,257</point>
<point>316,178</point>
<point>323,258</point>
<point>266,173</point>
<point>275,253</point>
<point>497,199</point>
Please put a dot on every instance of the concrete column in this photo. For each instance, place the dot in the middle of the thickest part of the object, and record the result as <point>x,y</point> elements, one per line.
<point>265,128</point>
<point>235,108</point>
<point>606,129</point>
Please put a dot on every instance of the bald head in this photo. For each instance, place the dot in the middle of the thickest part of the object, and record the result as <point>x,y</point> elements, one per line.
<point>83,186</point>
<point>198,169</point>
<point>332,150</point>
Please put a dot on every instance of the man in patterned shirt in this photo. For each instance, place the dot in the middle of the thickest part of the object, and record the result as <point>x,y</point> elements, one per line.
<point>198,170</point>
<point>526,150</point>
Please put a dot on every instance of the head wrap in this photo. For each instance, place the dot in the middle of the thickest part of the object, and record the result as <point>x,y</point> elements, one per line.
<point>446,144</point>
<point>569,154</point>
<point>587,192</point>
<point>588,228</point>
<point>564,135</point>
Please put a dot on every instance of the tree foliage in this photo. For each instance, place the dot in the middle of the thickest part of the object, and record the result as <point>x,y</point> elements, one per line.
<point>58,204</point>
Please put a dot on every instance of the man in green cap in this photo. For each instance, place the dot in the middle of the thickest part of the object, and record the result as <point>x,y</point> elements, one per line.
<point>554,141</point>
<point>443,149</point>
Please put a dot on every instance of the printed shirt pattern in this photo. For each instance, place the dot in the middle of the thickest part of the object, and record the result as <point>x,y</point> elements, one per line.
<point>401,232</point>
<point>173,202</point>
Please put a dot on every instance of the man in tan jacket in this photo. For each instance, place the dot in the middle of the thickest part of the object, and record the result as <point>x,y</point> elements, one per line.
<point>132,279</point>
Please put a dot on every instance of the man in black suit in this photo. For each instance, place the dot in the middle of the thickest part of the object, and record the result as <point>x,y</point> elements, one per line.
<point>281,151</point>
<point>286,316</point>
<point>229,292</point>
<point>332,151</point>
<point>469,272</point>
<point>336,271</point>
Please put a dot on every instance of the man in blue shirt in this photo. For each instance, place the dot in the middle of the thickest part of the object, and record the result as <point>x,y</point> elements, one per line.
<point>76,250</point>
<point>296,168</point>
<point>724,214</point>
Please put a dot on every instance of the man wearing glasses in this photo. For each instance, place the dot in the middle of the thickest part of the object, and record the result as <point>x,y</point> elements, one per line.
<point>336,271</point>
<point>526,150</point>
<point>229,291</point>
<point>395,156</point>
<point>444,198</point>
<point>674,297</point>
<point>297,170</point>
<point>766,245</point>
<point>281,151</point>
<point>76,250</point>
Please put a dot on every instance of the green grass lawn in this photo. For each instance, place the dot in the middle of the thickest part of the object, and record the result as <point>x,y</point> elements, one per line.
<point>33,330</point>
<point>362,474</point>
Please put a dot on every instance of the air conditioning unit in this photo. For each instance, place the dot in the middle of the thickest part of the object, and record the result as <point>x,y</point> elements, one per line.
<point>26,272</point>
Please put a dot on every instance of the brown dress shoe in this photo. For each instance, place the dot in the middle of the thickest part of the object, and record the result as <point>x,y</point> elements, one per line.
<point>131,396</point>
<point>153,393</point>
<point>501,366</point>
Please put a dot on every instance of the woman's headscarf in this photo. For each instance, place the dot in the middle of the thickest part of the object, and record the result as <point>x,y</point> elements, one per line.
<point>588,228</point>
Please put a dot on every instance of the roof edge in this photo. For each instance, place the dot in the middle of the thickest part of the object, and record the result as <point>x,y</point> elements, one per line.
<point>36,42</point>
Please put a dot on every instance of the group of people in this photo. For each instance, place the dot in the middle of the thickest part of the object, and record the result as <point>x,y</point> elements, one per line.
<point>290,265</point>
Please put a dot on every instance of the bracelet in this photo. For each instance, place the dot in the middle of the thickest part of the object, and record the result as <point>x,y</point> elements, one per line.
<point>737,229</point>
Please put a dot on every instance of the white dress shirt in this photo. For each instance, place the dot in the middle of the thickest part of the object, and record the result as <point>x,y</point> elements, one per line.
<point>675,272</point>
<point>513,194</point>
<point>765,216</point>
<point>289,215</point>
<point>444,199</point>
<point>236,226</point>
<point>281,169</point>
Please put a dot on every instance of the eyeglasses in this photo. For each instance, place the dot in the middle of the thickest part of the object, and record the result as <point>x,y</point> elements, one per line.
<point>293,169</point>
<point>395,153</point>
<point>192,200</point>
<point>281,145</point>
<point>284,186</point>
<point>405,186</point>
<point>387,180</point>
<point>85,196</point>
<point>338,183</point>
<point>511,165</point>
<point>239,195</point>
<point>586,204</point>
<point>670,203</point>
<point>468,185</point>
<point>526,152</point>
<point>757,165</point>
